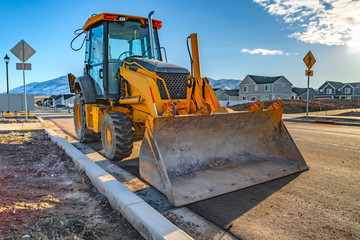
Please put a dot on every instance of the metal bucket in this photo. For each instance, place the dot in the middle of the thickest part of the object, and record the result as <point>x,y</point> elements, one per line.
<point>195,157</point>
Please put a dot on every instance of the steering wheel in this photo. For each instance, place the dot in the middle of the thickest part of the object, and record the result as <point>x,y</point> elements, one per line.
<point>127,54</point>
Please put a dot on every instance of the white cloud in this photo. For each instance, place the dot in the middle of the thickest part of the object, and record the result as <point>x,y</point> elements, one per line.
<point>330,22</point>
<point>263,51</point>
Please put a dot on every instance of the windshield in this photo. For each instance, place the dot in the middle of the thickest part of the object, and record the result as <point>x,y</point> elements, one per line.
<point>131,39</point>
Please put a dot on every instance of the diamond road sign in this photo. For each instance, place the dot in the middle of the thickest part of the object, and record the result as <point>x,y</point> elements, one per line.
<point>23,51</point>
<point>309,60</point>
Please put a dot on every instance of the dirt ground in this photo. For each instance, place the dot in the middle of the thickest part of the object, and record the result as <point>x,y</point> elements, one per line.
<point>18,120</point>
<point>321,203</point>
<point>299,106</point>
<point>42,196</point>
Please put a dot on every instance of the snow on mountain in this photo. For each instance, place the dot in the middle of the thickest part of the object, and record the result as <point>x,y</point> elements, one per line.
<point>226,84</point>
<point>51,87</point>
<point>61,86</point>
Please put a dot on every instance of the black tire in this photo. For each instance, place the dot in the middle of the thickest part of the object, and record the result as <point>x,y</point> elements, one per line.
<point>82,132</point>
<point>119,144</point>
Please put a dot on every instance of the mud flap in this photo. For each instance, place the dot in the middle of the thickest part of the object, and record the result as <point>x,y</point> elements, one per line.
<point>194,157</point>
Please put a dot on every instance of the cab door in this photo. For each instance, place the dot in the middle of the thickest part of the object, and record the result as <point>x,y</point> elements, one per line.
<point>96,60</point>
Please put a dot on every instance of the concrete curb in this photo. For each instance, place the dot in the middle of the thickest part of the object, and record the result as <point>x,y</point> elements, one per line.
<point>322,122</point>
<point>146,220</point>
<point>43,123</point>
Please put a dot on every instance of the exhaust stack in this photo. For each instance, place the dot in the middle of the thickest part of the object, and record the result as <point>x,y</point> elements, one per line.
<point>152,48</point>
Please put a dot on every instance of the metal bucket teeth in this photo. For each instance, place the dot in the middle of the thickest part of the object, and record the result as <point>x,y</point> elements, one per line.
<point>195,157</point>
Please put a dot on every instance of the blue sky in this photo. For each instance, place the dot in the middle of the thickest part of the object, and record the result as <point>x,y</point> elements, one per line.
<point>236,37</point>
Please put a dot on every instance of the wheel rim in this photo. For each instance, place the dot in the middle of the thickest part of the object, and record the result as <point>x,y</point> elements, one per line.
<point>78,116</point>
<point>108,136</point>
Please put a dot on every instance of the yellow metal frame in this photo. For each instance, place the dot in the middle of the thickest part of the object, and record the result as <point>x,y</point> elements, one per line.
<point>95,114</point>
<point>105,17</point>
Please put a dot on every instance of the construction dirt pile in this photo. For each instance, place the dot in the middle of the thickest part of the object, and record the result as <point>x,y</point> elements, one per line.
<point>42,196</point>
<point>299,106</point>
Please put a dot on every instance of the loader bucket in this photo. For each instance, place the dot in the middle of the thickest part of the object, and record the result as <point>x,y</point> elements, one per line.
<point>195,157</point>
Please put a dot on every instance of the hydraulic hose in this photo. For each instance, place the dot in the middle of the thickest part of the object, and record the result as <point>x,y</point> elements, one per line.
<point>78,33</point>
<point>191,59</point>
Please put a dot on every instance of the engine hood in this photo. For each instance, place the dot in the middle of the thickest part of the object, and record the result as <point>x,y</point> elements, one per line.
<point>157,66</point>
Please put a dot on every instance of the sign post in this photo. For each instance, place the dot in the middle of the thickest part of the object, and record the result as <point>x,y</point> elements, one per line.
<point>23,52</point>
<point>309,61</point>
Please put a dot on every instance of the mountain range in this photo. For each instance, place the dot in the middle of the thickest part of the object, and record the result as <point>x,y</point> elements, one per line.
<point>60,85</point>
<point>55,86</point>
<point>226,84</point>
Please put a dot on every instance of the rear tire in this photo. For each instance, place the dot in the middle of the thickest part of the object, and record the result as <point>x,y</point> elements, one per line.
<point>117,136</point>
<point>82,132</point>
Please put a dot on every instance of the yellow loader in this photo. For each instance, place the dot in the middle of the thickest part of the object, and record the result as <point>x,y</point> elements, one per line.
<point>192,148</point>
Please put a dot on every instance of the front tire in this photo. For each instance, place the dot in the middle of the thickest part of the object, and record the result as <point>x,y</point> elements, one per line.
<point>117,136</point>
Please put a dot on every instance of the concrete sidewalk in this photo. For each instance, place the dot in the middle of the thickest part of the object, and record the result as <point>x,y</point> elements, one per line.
<point>24,126</point>
<point>325,117</point>
<point>321,113</point>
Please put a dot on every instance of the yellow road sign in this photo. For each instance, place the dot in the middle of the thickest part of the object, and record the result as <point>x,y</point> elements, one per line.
<point>309,60</point>
<point>309,73</point>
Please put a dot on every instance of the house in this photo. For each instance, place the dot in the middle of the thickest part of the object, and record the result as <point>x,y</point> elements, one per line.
<point>220,94</point>
<point>301,93</point>
<point>47,102</point>
<point>233,94</point>
<point>68,100</point>
<point>329,89</point>
<point>350,91</point>
<point>332,89</point>
<point>56,100</point>
<point>254,88</point>
<point>227,95</point>
<point>63,99</point>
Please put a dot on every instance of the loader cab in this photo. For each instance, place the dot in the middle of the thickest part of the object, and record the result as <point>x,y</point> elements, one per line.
<point>109,42</point>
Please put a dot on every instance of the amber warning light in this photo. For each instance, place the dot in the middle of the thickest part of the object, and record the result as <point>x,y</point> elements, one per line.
<point>157,24</point>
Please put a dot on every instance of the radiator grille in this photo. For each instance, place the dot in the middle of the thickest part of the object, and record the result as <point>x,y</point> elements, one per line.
<point>176,84</point>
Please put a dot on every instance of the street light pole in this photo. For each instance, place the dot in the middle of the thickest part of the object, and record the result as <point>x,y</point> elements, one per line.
<point>7,60</point>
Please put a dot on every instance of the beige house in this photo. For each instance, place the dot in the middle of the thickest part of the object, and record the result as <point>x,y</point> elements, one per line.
<point>264,88</point>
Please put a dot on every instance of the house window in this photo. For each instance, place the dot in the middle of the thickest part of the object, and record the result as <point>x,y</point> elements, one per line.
<point>321,90</point>
<point>329,91</point>
<point>347,91</point>
<point>256,88</point>
<point>246,89</point>
<point>267,88</point>
<point>244,98</point>
<point>252,99</point>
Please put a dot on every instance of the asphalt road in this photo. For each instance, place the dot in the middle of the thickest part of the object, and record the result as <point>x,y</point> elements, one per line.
<point>321,203</point>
